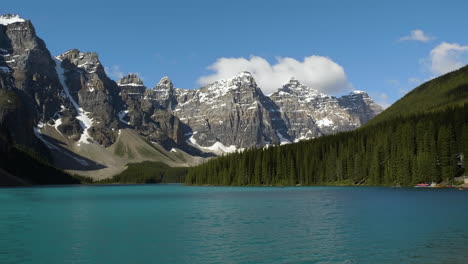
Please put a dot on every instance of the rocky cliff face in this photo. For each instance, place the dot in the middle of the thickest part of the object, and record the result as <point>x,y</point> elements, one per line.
<point>309,113</point>
<point>234,113</point>
<point>360,105</point>
<point>230,114</point>
<point>27,77</point>
<point>30,64</point>
<point>70,92</point>
<point>146,111</point>
<point>93,95</point>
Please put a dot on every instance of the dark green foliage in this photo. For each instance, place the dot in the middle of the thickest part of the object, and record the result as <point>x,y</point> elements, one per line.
<point>33,167</point>
<point>421,147</point>
<point>149,172</point>
<point>8,99</point>
<point>447,152</point>
<point>465,148</point>
<point>449,90</point>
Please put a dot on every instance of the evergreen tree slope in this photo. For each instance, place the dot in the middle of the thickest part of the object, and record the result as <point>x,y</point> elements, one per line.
<point>445,91</point>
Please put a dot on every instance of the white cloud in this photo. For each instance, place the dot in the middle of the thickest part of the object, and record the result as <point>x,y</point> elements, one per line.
<point>417,35</point>
<point>315,71</point>
<point>447,57</point>
<point>114,72</point>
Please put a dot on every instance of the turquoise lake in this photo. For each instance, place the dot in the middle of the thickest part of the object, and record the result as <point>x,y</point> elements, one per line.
<point>180,224</point>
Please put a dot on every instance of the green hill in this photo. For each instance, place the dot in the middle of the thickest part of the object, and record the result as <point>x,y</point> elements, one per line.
<point>421,138</point>
<point>448,90</point>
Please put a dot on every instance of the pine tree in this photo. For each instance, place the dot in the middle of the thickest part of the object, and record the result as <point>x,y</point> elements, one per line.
<point>447,154</point>
<point>465,148</point>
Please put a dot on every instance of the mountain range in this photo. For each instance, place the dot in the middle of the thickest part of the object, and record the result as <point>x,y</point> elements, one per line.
<point>83,122</point>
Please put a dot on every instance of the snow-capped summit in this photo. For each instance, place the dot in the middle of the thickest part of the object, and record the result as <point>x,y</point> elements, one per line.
<point>10,19</point>
<point>358,92</point>
<point>297,89</point>
<point>245,77</point>
<point>243,74</point>
<point>309,113</point>
<point>241,83</point>
<point>232,112</point>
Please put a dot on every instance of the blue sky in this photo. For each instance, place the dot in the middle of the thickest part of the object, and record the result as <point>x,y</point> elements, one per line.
<point>370,41</point>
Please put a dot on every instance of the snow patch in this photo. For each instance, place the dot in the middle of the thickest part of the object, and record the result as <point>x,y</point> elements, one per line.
<point>173,150</point>
<point>57,123</point>
<point>282,139</point>
<point>217,147</point>
<point>193,141</point>
<point>82,116</point>
<point>130,84</point>
<point>325,122</point>
<point>266,146</point>
<point>121,115</point>
<point>300,139</point>
<point>10,19</point>
<point>5,69</point>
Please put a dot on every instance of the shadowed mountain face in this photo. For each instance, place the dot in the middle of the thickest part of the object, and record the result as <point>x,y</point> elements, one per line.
<point>69,101</point>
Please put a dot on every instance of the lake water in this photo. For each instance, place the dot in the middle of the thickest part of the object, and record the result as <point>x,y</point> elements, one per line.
<point>179,224</point>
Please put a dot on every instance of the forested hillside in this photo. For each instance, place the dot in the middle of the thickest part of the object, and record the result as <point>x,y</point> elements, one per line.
<point>421,138</point>
<point>447,90</point>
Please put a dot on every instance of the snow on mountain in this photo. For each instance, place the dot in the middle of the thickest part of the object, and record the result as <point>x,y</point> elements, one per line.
<point>73,94</point>
<point>233,112</point>
<point>82,116</point>
<point>10,19</point>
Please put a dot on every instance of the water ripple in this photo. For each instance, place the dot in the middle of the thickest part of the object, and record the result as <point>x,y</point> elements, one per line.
<point>177,224</point>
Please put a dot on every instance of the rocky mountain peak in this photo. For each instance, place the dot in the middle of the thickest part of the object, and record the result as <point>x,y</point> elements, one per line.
<point>295,88</point>
<point>360,104</point>
<point>244,78</point>
<point>10,19</point>
<point>358,93</point>
<point>292,85</point>
<point>131,79</point>
<point>21,35</point>
<point>293,82</point>
<point>88,61</point>
<point>164,84</point>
